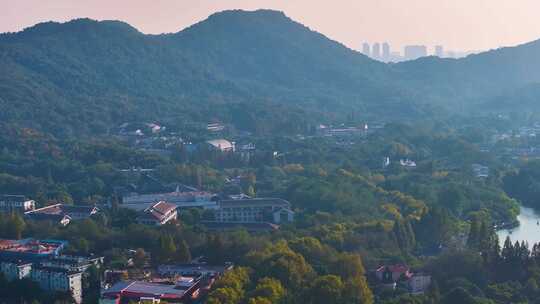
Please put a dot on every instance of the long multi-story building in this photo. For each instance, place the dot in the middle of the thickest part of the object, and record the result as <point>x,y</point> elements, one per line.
<point>252,210</point>
<point>189,199</point>
<point>19,203</point>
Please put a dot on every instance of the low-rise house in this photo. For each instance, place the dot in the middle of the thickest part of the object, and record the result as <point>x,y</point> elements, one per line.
<point>16,203</point>
<point>158,214</point>
<point>390,276</point>
<point>222,145</point>
<point>393,273</point>
<point>407,163</point>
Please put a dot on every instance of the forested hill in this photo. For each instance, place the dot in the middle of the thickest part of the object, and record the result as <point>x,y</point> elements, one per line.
<point>474,79</point>
<point>84,76</point>
<point>94,74</point>
<point>266,49</point>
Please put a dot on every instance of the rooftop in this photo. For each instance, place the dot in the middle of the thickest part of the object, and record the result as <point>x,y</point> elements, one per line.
<point>62,209</point>
<point>146,289</point>
<point>159,210</point>
<point>221,144</point>
<point>401,268</point>
<point>56,269</point>
<point>31,246</point>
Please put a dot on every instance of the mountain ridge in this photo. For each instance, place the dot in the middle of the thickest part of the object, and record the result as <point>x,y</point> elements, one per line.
<point>260,59</point>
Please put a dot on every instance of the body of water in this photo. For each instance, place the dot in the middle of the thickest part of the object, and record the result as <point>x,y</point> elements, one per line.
<point>528,229</point>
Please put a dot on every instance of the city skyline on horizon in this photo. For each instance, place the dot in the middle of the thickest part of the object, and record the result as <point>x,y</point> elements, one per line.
<point>383,51</point>
<point>459,25</point>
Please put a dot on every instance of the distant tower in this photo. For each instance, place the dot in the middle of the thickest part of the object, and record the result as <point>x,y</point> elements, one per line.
<point>376,51</point>
<point>385,51</point>
<point>439,51</point>
<point>365,49</point>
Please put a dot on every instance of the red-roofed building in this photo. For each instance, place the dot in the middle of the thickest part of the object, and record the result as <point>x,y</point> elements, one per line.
<point>393,273</point>
<point>148,292</point>
<point>158,214</point>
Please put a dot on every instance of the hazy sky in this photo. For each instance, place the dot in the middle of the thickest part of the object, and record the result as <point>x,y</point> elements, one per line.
<point>456,24</point>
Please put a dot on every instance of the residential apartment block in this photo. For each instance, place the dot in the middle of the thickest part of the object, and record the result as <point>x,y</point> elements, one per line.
<point>41,262</point>
<point>58,280</point>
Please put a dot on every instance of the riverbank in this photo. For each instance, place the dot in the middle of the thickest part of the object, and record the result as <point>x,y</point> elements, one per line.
<point>527,228</point>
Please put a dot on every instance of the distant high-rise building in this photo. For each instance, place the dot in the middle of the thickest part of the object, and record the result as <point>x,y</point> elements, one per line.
<point>366,49</point>
<point>395,56</point>
<point>376,51</point>
<point>439,51</point>
<point>385,52</point>
<point>415,51</point>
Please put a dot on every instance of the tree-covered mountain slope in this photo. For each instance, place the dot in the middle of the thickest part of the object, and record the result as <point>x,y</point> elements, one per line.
<point>85,76</point>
